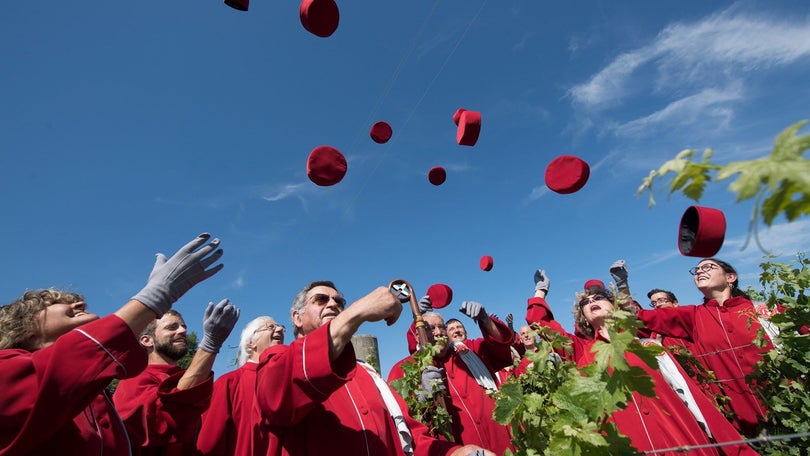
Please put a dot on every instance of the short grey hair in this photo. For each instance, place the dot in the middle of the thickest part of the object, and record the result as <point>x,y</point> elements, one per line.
<point>300,300</point>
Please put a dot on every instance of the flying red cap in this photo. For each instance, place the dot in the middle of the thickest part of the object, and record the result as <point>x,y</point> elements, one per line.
<point>437,175</point>
<point>241,5</point>
<point>701,232</point>
<point>381,132</point>
<point>486,263</point>
<point>440,295</point>
<point>326,166</point>
<point>593,283</point>
<point>567,174</point>
<point>469,127</point>
<point>319,17</point>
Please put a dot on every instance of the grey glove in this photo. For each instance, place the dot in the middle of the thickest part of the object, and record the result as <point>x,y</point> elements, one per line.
<point>172,278</point>
<point>510,320</point>
<point>432,382</point>
<point>618,271</point>
<point>473,310</point>
<point>218,322</point>
<point>425,305</point>
<point>541,281</point>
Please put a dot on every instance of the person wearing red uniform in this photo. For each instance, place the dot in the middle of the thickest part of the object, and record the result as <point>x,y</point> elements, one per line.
<point>231,426</point>
<point>651,423</point>
<point>469,369</point>
<point>316,399</point>
<point>161,407</point>
<point>723,330</point>
<point>56,359</point>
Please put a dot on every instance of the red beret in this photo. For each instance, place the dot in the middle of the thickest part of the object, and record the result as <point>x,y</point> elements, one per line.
<point>486,263</point>
<point>241,5</point>
<point>381,132</point>
<point>469,127</point>
<point>437,175</point>
<point>701,232</point>
<point>457,115</point>
<point>319,17</point>
<point>326,166</point>
<point>567,174</point>
<point>593,283</point>
<point>440,295</point>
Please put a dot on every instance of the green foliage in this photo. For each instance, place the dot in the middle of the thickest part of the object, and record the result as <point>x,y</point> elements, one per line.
<point>191,341</point>
<point>556,408</point>
<point>431,413</point>
<point>780,182</point>
<point>781,376</point>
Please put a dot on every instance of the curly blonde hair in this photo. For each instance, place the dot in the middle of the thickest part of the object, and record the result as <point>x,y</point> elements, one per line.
<point>622,302</point>
<point>18,325</point>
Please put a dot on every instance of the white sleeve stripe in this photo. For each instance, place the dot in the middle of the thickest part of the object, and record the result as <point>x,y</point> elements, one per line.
<point>304,362</point>
<point>103,348</point>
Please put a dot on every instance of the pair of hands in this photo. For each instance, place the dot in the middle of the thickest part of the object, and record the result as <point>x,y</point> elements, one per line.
<point>618,271</point>
<point>472,309</point>
<point>171,278</point>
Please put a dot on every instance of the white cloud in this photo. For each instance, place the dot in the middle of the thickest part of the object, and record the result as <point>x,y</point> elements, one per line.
<point>283,191</point>
<point>783,240</point>
<point>724,46</point>
<point>538,192</point>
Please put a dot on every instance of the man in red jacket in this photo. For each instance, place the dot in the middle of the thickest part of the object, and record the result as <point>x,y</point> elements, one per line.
<point>161,407</point>
<point>316,399</point>
<point>56,359</point>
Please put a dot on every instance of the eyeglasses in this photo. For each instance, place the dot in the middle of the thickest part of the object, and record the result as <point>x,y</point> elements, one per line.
<point>705,267</point>
<point>432,327</point>
<point>322,299</point>
<point>590,299</point>
<point>654,302</point>
<point>271,327</point>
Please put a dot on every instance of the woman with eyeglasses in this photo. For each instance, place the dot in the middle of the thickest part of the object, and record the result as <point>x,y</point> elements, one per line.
<point>652,423</point>
<point>230,426</point>
<point>723,329</point>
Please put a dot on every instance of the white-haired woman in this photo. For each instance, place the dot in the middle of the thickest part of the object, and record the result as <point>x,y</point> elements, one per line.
<point>230,426</point>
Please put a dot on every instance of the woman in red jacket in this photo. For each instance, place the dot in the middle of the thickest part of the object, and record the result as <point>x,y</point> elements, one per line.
<point>723,330</point>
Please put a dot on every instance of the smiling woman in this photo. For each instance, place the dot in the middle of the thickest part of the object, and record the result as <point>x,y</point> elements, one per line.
<point>39,317</point>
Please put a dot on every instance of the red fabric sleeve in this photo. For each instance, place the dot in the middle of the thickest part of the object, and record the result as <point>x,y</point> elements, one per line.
<point>43,391</point>
<point>156,413</point>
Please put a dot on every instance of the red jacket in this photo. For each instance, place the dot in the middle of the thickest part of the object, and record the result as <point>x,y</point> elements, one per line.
<point>314,406</point>
<point>469,404</point>
<point>651,423</point>
<point>160,418</point>
<point>723,341</point>
<point>53,399</point>
<point>230,426</point>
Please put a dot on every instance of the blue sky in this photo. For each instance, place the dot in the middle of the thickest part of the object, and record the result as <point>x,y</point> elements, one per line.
<point>129,128</point>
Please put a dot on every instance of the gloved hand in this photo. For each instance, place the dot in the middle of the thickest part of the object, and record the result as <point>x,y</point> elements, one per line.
<point>425,305</point>
<point>473,310</point>
<point>618,271</point>
<point>172,278</point>
<point>218,322</point>
<point>541,281</point>
<point>432,382</point>
<point>510,320</point>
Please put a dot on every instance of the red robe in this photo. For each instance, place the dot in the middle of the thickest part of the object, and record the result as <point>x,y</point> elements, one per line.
<point>722,338</point>
<point>160,418</point>
<point>469,404</point>
<point>230,426</point>
<point>318,407</point>
<point>53,399</point>
<point>651,423</point>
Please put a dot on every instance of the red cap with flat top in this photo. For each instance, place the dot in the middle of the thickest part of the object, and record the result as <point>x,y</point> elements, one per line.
<point>701,232</point>
<point>319,17</point>
<point>567,174</point>
<point>326,166</point>
<point>440,295</point>
<point>486,263</point>
<point>381,132</point>
<point>437,175</point>
<point>469,127</point>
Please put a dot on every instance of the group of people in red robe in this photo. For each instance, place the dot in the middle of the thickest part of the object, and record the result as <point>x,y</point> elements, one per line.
<point>312,396</point>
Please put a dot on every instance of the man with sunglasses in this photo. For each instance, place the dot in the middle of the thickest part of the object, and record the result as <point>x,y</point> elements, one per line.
<point>315,398</point>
